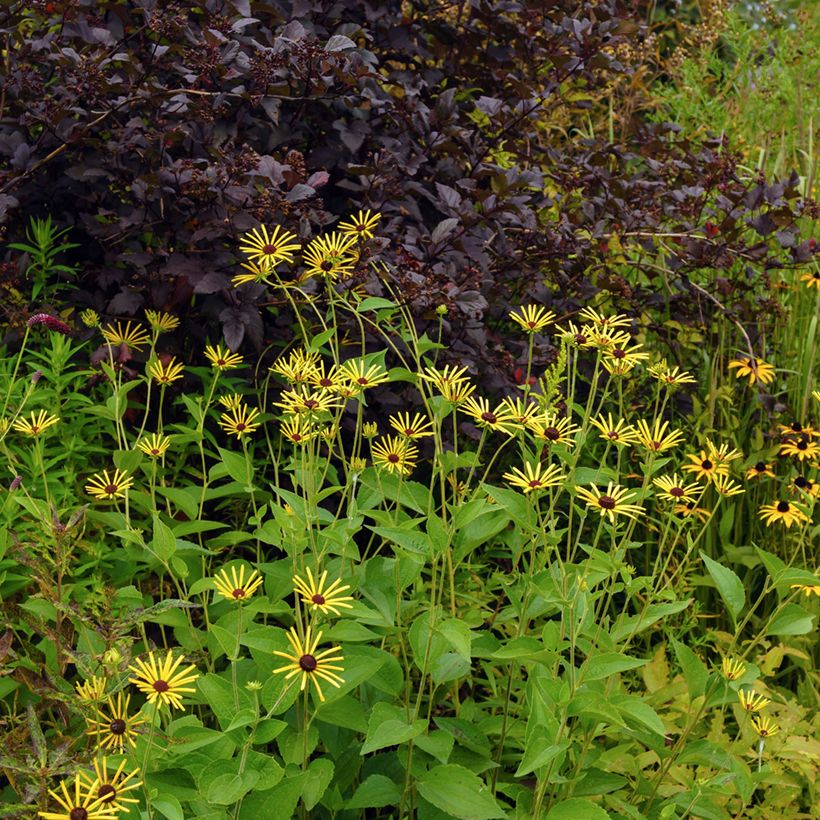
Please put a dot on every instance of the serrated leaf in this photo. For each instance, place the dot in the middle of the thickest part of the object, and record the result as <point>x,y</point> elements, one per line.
<point>459,792</point>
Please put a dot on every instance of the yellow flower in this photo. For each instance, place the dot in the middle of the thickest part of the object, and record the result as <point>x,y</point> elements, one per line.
<point>760,469</point>
<point>333,380</point>
<point>552,430</point>
<point>498,419</point>
<point>395,454</point>
<point>440,379</point>
<point>35,424</point>
<point>310,404</point>
<point>782,512</point>
<point>725,486</point>
<point>332,256</point>
<point>161,322</point>
<point>154,445</point>
<point>269,249</point>
<point>533,318</point>
<point>115,728</point>
<point>92,689</point>
<point>673,488</point>
<point>611,503</point>
<point>602,338</point>
<point>108,487</point>
<point>624,353</point>
<point>815,394</point>
<point>619,320</point>
<point>619,432</point>
<point>751,701</point>
<point>722,454</point>
<point>166,373</point>
<point>222,359</point>
<point>298,430</point>
<point>360,376</point>
<point>240,421</point>
<point>231,401</point>
<point>732,669</point>
<point>535,478</point>
<point>111,790</point>
<point>134,337</point>
<point>234,587</point>
<point>802,449</point>
<point>417,427</point>
<point>90,318</point>
<point>704,466</point>
<point>309,664</point>
<point>764,726</point>
<point>256,274</point>
<point>299,367</point>
<point>808,589</point>
<point>796,429</point>
<point>670,375</point>
<point>361,225</point>
<point>753,369</point>
<point>160,681</point>
<point>318,596</point>
<point>619,367</point>
<point>812,279</point>
<point>370,429</point>
<point>655,439</point>
<point>691,509</point>
<point>84,804</point>
<point>523,411</point>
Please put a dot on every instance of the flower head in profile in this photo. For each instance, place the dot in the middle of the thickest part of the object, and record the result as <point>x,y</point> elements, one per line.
<point>760,469</point>
<point>671,376</point>
<point>114,727</point>
<point>234,586</point>
<point>269,249</point>
<point>535,478</point>
<point>35,424</point>
<point>447,376</point>
<point>522,410</point>
<point>222,359</point>
<point>92,689</point>
<point>655,439</point>
<point>79,803</point>
<point>254,273</point>
<point>320,595</point>
<point>298,367</point>
<point>240,421</point>
<point>112,790</point>
<point>163,680</point>
<point>165,372</point>
<point>618,432</point>
<point>726,487</point>
<point>499,418</point>
<point>603,338</point>
<point>395,454</point>
<point>161,322</point>
<point>782,512</point>
<point>764,726</point>
<point>624,353</point>
<point>118,334</point>
<point>90,318</point>
<point>690,509</point>
<point>302,402</point>
<point>231,401</point>
<point>797,430</point>
<point>370,429</point>
<point>812,279</point>
<point>533,318</point>
<point>333,256</point>
<point>732,669</point>
<point>106,487</point>
<point>611,503</point>
<point>309,664</point>
<point>807,589</point>
<point>674,488</point>
<point>361,225</point>
<point>598,319</point>
<point>801,449</point>
<point>418,426</point>
<point>753,369</point>
<point>298,429</point>
<point>751,701</point>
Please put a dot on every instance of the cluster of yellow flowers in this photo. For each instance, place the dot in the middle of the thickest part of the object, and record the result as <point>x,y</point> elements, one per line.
<point>749,700</point>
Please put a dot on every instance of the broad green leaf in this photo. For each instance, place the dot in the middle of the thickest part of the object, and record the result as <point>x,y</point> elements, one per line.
<point>605,664</point>
<point>227,640</point>
<point>164,543</point>
<point>459,792</point>
<point>237,467</point>
<point>388,727</point>
<point>437,743</point>
<point>791,620</point>
<point>320,773</point>
<point>728,584</point>
<point>376,792</point>
<point>276,803</point>
<point>577,808</point>
<point>694,670</point>
<point>168,806</point>
<point>636,710</point>
<point>538,752</point>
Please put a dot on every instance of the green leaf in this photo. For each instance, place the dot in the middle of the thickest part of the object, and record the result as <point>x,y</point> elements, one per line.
<point>577,808</point>
<point>728,584</point>
<point>605,664</point>
<point>791,620</point>
<point>635,710</point>
<point>694,671</point>
<point>237,467</point>
<point>227,788</point>
<point>320,773</point>
<point>168,806</point>
<point>276,803</point>
<point>388,727</point>
<point>376,792</point>
<point>438,743</point>
<point>459,792</point>
<point>227,641</point>
<point>538,752</point>
<point>374,303</point>
<point>164,543</point>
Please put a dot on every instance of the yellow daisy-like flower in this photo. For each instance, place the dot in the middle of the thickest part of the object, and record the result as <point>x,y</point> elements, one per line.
<point>760,469</point>
<point>135,337</point>
<point>332,380</point>
<point>801,484</point>
<point>498,419</point>
<point>35,424</point>
<point>234,587</point>
<point>448,376</point>
<point>726,487</point>
<point>753,369</point>
<point>112,791</point>
<point>535,478</point>
<point>552,430</point>
<point>417,427</point>
<point>232,401</point>
<point>370,429</point>
<point>802,449</point>
<point>690,509</point>
<point>732,669</point>
<point>395,454</point>
<point>704,466</point>
<point>624,353</point>
<point>618,432</point>
<point>154,445</point>
<point>815,394</point>
<point>611,503</point>
<point>333,255</point>
<point>83,804</point>
<point>361,377</point>
<point>782,512</point>
<point>795,428</point>
<point>523,411</point>
<point>361,225</point>
<point>309,664</point>
<point>114,728</point>
<point>161,322</point>
<point>752,701</point>
<point>675,489</point>
<point>296,403</point>
<point>591,315</point>
<point>298,367</point>
<point>670,375</point>
<point>240,421</point>
<point>166,373</point>
<point>298,429</point>
<point>619,367</point>
<point>602,338</point>
<point>92,689</point>
<point>577,336</point>
<point>655,439</point>
<point>457,393</point>
<point>108,487</point>
<point>163,681</point>
<point>90,318</point>
<point>812,279</point>
<point>722,454</point>
<point>808,589</point>
<point>254,274</point>
<point>222,359</point>
<point>533,318</point>
<point>269,249</point>
<point>764,726</point>
<point>315,595</point>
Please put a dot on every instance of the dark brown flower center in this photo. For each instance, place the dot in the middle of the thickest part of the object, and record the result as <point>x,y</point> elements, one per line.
<point>325,382</point>
<point>296,437</point>
<point>618,353</point>
<point>656,445</point>
<point>117,727</point>
<point>676,491</point>
<point>534,483</point>
<point>613,435</point>
<point>408,431</point>
<point>490,418</point>
<point>311,404</point>
<point>154,451</point>
<point>106,793</point>
<point>308,663</point>
<point>783,507</point>
<point>270,249</point>
<point>802,445</point>
<point>362,381</point>
<point>706,464</point>
<point>580,339</point>
<point>760,467</point>
<point>796,426</point>
<point>239,593</point>
<point>318,599</point>
<point>393,458</point>
<point>240,426</point>
<point>802,483</point>
<point>111,489</point>
<point>221,363</point>
<point>78,813</point>
<point>607,502</point>
<point>552,433</point>
<point>161,686</point>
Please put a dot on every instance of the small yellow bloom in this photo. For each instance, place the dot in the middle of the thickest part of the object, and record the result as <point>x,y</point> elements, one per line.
<point>417,427</point>
<point>111,790</point>
<point>753,369</point>
<point>161,681</point>
<point>523,411</point>
<point>240,421</point>
<point>812,279</point>
<point>35,424</point>
<point>370,429</point>
<point>759,470</point>
<point>234,587</point>
<point>782,512</point>
<point>332,256</point>
<point>318,596</point>
<point>232,401</point>
<point>395,454</point>
<point>90,318</point>
<point>255,273</point>
<point>107,487</point>
<point>161,322</point>
<point>591,315</point>
<point>704,466</point>
<point>752,701</point>
<point>361,225</point>
<point>726,487</point>
<point>309,664</point>
<point>533,318</point>
<point>269,249</point>
<point>499,419</point>
<point>802,449</point>
<point>673,488</point>
<point>298,430</point>
<point>808,589</point>
<point>535,478</point>
<point>83,804</point>
<point>114,728</point>
<point>361,377</point>
<point>612,502</point>
<point>655,439</point>
<point>619,433</point>
<point>222,359</point>
<point>670,375</point>
<point>92,689</point>
<point>134,337</point>
<point>552,430</point>
<point>298,367</point>
<point>165,373</point>
<point>295,403</point>
<point>732,669</point>
<point>154,445</point>
<point>764,726</point>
